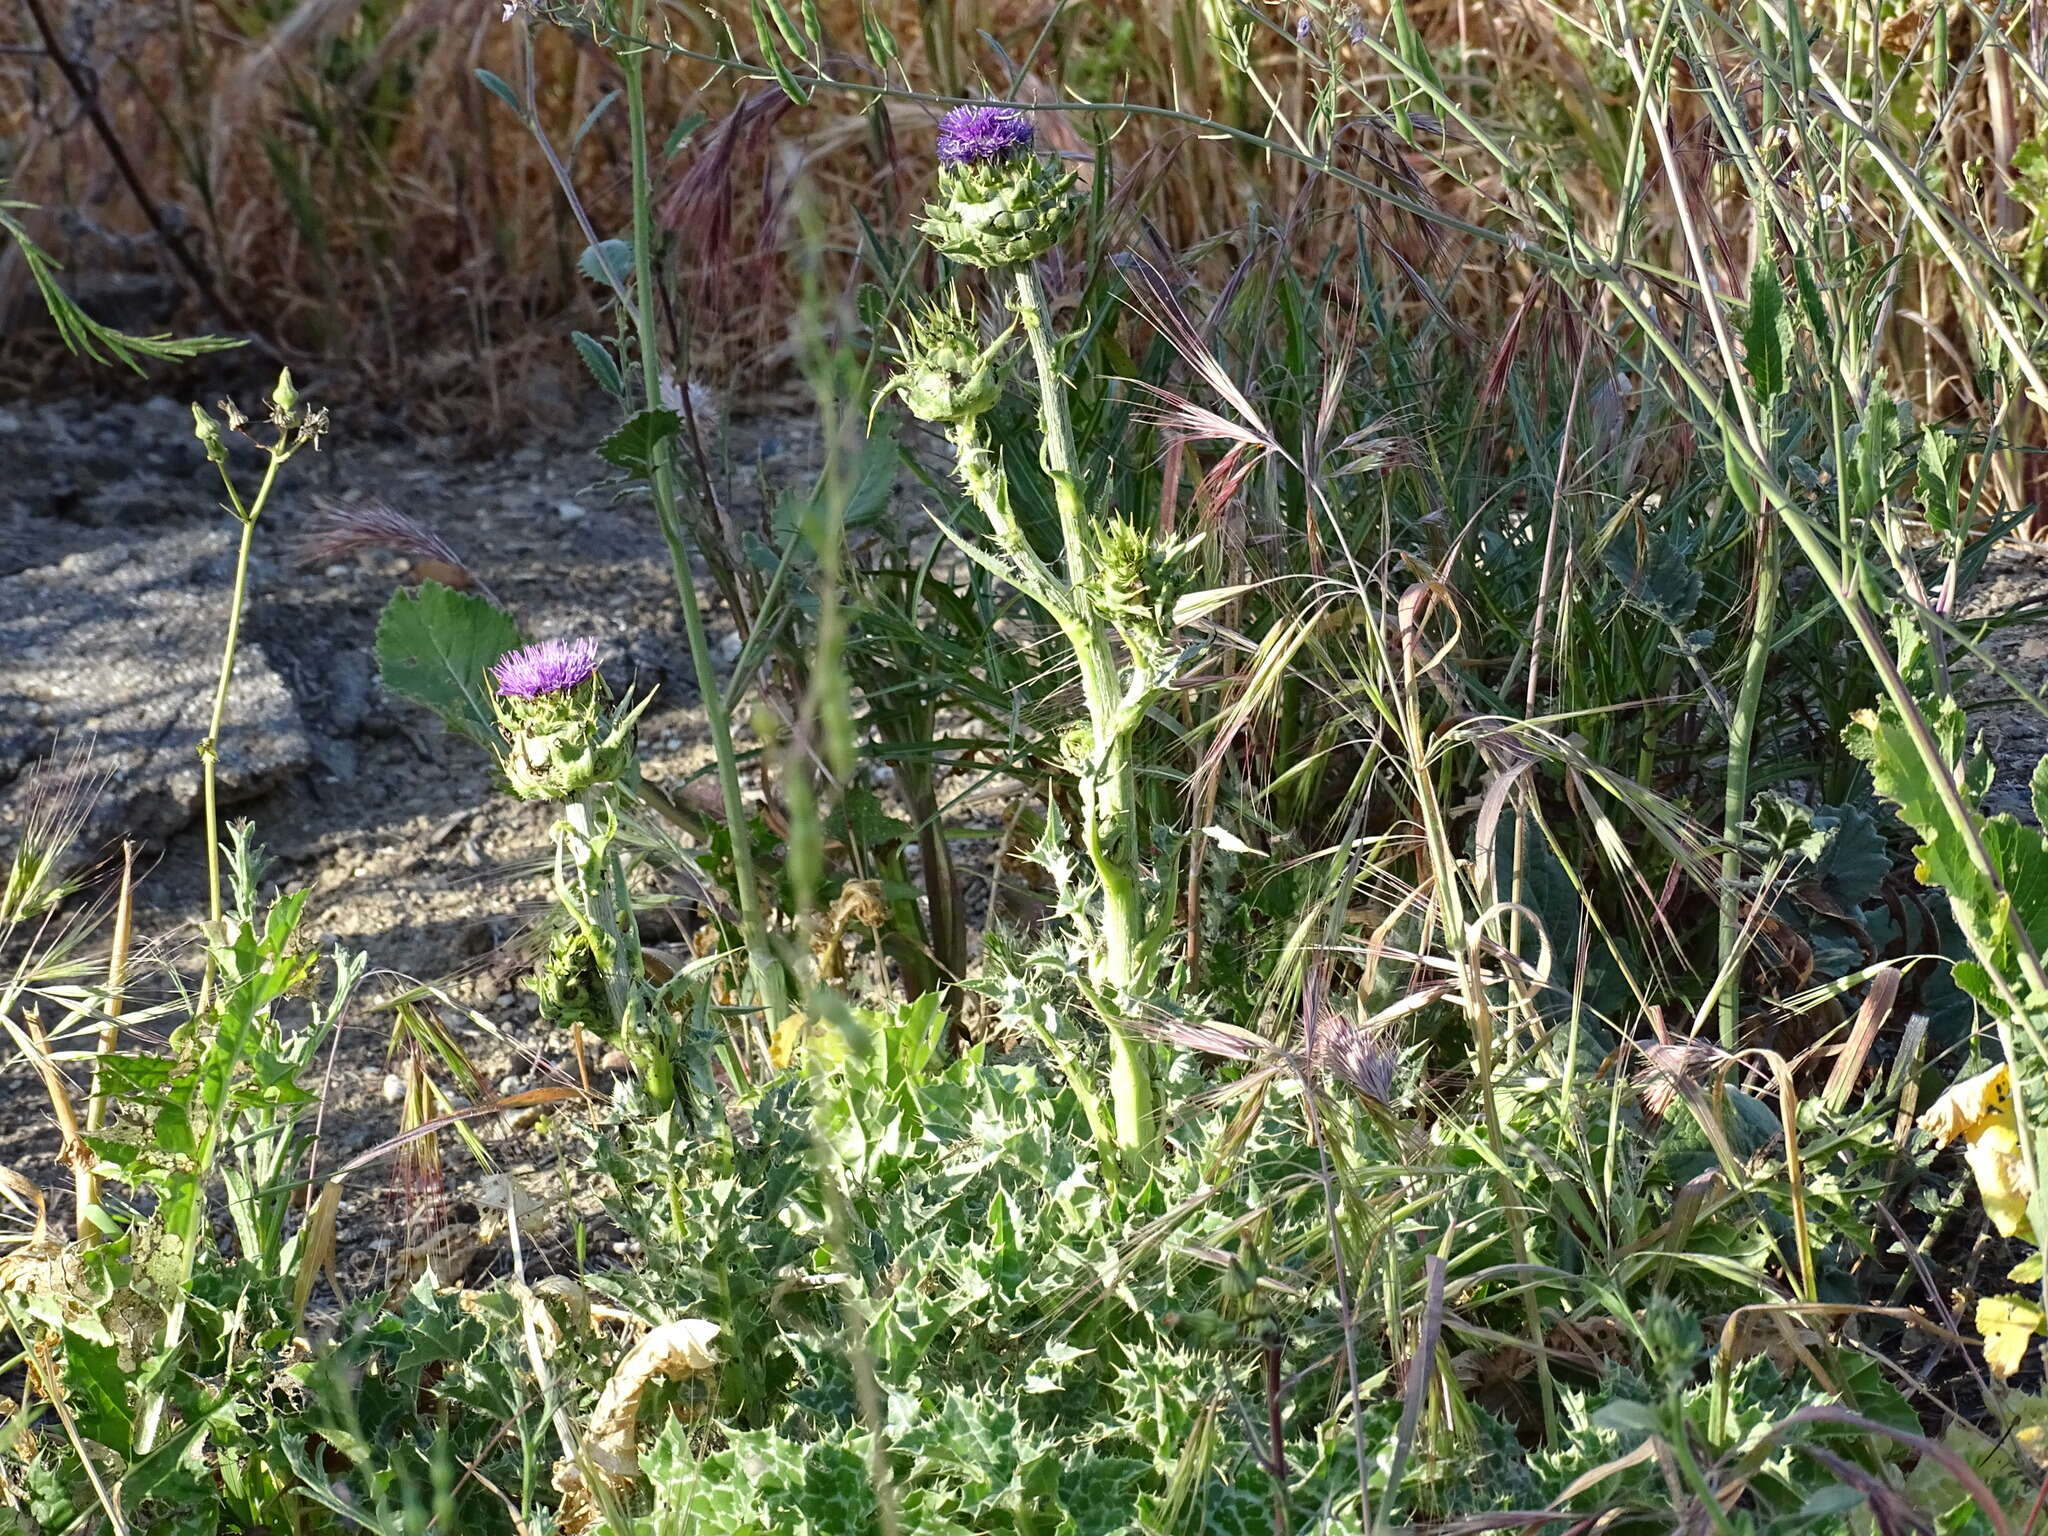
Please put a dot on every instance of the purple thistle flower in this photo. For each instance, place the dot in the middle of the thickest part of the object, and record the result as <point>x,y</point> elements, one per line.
<point>552,666</point>
<point>979,135</point>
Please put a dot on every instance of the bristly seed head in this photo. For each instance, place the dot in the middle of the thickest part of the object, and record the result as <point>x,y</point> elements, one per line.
<point>982,134</point>
<point>552,666</point>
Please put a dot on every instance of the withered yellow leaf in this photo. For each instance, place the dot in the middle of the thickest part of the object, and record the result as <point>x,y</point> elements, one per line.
<point>1967,1107</point>
<point>1979,1109</point>
<point>783,1044</point>
<point>2008,1325</point>
<point>2002,1183</point>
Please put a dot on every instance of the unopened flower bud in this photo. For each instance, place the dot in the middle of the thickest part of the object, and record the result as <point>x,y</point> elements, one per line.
<point>569,985</point>
<point>284,397</point>
<point>947,375</point>
<point>208,431</point>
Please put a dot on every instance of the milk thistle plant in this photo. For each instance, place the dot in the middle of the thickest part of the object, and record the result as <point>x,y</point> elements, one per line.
<point>567,740</point>
<point>999,206</point>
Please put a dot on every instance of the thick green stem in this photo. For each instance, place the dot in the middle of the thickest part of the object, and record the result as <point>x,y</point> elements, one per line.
<point>765,969</point>
<point>1735,811</point>
<point>1117,965</point>
<point>1061,462</point>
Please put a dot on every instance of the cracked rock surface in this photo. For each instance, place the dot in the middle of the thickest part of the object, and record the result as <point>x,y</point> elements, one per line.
<point>112,658</point>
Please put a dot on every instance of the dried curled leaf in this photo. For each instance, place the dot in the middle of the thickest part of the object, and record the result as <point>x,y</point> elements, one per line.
<point>672,1352</point>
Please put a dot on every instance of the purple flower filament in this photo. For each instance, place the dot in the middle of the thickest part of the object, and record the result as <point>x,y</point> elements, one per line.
<point>552,666</point>
<point>981,135</point>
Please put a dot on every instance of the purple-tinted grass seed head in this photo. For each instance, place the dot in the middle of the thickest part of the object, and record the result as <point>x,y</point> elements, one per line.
<point>552,666</point>
<point>1362,1057</point>
<point>982,134</point>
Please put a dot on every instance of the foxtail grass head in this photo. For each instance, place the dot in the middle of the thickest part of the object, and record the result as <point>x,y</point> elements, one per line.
<point>947,375</point>
<point>562,734</point>
<point>998,202</point>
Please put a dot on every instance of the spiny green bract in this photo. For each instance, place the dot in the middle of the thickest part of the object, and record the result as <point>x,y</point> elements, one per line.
<point>947,375</point>
<point>562,744</point>
<point>1001,213</point>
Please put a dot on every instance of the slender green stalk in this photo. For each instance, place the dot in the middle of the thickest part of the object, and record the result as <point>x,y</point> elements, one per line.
<point>1735,808</point>
<point>769,986</point>
<point>1445,866</point>
<point>209,748</point>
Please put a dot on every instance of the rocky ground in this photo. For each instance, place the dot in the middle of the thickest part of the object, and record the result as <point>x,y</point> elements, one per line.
<point>115,559</point>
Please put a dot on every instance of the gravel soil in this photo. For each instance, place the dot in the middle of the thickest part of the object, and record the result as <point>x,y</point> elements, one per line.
<point>408,851</point>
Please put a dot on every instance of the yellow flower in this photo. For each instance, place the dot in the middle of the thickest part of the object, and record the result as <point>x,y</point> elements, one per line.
<point>2008,1325</point>
<point>1979,1109</point>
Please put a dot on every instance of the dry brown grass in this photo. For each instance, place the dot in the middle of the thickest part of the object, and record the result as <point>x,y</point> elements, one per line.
<point>365,203</point>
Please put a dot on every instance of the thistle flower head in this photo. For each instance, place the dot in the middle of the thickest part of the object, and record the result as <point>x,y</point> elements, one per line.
<point>693,400</point>
<point>978,134</point>
<point>997,204</point>
<point>552,666</point>
<point>562,736</point>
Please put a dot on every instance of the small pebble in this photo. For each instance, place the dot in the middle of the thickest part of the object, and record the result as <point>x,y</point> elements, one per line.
<point>615,1062</point>
<point>9,423</point>
<point>570,511</point>
<point>394,1088</point>
<point>511,1082</point>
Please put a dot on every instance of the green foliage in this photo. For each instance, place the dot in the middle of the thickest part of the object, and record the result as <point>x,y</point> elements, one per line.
<point>1415,735</point>
<point>633,446</point>
<point>436,646</point>
<point>1997,889</point>
<point>84,335</point>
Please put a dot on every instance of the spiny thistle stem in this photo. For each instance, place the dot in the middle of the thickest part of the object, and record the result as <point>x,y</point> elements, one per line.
<point>765,969</point>
<point>976,470</point>
<point>1061,462</point>
<point>594,888</point>
<point>1109,775</point>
